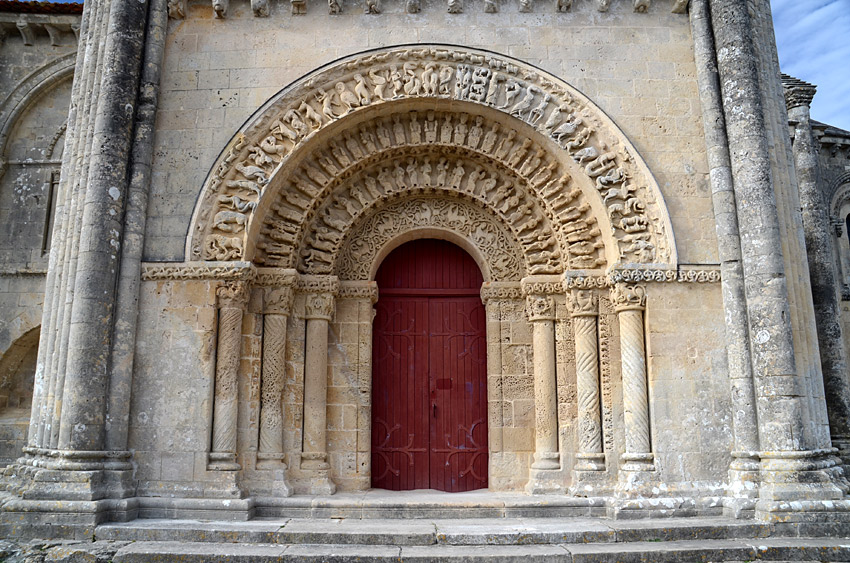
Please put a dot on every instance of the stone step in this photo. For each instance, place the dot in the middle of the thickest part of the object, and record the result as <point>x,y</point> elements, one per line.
<point>423,532</point>
<point>716,551</point>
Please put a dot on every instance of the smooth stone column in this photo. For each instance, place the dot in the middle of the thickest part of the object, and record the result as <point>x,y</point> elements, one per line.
<point>629,302</point>
<point>793,466</point>
<point>820,253</point>
<point>743,480</point>
<point>590,465</point>
<point>319,309</point>
<point>232,298</point>
<point>545,475</point>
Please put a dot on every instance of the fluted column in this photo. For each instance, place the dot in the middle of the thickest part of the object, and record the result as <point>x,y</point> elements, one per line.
<point>821,256</point>
<point>277,304</point>
<point>232,298</point>
<point>320,293</point>
<point>540,308</point>
<point>629,302</point>
<point>584,309</point>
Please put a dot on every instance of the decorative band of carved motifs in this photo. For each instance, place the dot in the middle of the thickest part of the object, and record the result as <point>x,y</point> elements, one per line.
<point>260,8</point>
<point>574,138</point>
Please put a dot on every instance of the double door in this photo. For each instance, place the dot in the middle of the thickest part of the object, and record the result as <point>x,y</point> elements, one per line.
<point>429,390</point>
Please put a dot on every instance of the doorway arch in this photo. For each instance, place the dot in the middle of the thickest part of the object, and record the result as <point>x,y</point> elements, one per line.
<point>429,366</point>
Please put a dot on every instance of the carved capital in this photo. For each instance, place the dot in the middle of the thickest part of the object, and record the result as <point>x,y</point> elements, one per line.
<point>233,295</point>
<point>177,9</point>
<point>583,303</point>
<point>837,226</point>
<point>278,301</point>
<point>319,306</point>
<point>627,297</point>
<point>540,308</point>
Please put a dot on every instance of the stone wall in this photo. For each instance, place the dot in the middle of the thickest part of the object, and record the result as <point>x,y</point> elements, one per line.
<point>37,57</point>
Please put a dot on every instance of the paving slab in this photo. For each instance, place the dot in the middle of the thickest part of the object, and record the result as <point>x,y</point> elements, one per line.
<point>369,532</point>
<point>523,531</point>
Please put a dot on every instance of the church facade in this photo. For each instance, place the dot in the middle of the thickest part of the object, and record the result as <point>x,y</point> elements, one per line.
<point>565,249</point>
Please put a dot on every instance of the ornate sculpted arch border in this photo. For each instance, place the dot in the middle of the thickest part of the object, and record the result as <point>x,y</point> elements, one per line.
<point>288,186</point>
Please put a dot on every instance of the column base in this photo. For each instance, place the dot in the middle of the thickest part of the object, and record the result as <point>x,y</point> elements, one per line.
<point>316,466</point>
<point>222,461</point>
<point>637,463</point>
<point>545,482</point>
<point>842,445</point>
<point>273,465</point>
<point>223,485</point>
<point>591,484</point>
<point>799,486</point>
<point>743,488</point>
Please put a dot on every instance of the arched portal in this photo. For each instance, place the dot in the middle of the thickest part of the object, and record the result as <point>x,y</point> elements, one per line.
<point>429,376</point>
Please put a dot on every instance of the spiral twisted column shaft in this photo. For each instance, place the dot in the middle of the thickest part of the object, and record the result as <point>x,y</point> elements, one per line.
<point>629,302</point>
<point>585,314</point>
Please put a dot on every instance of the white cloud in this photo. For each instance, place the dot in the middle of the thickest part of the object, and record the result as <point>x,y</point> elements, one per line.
<point>813,38</point>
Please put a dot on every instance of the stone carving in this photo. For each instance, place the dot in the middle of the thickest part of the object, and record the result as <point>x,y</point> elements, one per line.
<point>298,6</point>
<point>367,238</point>
<point>501,292</point>
<point>260,8</point>
<point>334,7</point>
<point>629,302</point>
<point>563,5</point>
<point>232,297</point>
<point>641,6</point>
<point>627,191</point>
<point>540,307</point>
<point>177,9</point>
<point>359,291</point>
<point>372,7</point>
<point>220,8</point>
<point>628,297</point>
<point>584,310</point>
<point>198,271</point>
<point>455,6</point>
<point>273,376</point>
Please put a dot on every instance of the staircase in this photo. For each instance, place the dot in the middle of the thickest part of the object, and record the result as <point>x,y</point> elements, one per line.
<point>527,540</point>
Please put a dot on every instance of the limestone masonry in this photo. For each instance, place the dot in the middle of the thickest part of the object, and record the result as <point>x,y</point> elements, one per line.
<point>208,210</point>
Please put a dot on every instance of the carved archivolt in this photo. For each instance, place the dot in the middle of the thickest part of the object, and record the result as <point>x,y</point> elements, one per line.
<point>303,162</point>
<point>360,250</point>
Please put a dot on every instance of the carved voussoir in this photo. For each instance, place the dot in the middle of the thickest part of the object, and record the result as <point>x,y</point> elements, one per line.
<point>220,8</point>
<point>546,206</point>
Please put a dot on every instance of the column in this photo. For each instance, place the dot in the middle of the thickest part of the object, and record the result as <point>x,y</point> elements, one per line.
<point>629,302</point>
<point>276,307</point>
<point>744,467</point>
<point>587,472</point>
<point>793,465</point>
<point>545,475</point>
<point>821,256</point>
<point>320,294</point>
<point>232,298</point>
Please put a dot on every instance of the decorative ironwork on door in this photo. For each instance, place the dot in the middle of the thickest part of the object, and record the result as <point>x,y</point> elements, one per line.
<point>429,383</point>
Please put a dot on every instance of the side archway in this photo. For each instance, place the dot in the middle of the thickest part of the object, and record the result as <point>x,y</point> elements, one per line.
<point>293,168</point>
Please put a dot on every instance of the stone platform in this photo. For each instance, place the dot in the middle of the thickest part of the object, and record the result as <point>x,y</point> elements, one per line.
<point>480,539</point>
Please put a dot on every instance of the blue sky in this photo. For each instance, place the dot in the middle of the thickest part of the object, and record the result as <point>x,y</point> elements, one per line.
<point>813,37</point>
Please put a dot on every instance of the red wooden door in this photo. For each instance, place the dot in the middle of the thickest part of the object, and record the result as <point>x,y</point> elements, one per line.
<point>429,376</point>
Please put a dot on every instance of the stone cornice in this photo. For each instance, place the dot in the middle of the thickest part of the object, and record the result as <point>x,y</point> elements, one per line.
<point>797,92</point>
